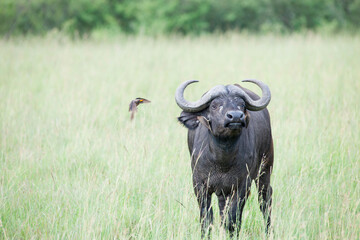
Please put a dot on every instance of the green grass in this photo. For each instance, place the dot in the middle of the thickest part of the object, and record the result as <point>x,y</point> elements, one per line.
<point>73,165</point>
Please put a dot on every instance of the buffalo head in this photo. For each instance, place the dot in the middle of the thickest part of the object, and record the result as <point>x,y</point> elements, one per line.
<point>223,109</point>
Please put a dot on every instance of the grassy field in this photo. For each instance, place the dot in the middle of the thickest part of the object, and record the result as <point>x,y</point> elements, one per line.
<point>73,165</point>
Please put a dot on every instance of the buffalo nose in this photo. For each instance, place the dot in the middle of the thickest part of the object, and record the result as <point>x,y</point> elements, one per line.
<point>235,116</point>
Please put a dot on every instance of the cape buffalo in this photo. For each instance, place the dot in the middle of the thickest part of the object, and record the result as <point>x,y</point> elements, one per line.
<point>230,143</point>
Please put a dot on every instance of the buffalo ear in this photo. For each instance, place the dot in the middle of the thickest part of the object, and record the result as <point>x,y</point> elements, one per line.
<point>189,120</point>
<point>247,118</point>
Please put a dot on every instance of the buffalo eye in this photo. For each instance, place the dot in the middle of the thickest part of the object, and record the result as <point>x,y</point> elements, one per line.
<point>241,106</point>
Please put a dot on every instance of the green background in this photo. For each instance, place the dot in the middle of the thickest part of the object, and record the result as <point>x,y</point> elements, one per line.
<point>153,17</point>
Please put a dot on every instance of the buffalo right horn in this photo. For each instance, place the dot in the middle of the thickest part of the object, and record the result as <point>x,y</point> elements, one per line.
<point>253,105</point>
<point>201,104</point>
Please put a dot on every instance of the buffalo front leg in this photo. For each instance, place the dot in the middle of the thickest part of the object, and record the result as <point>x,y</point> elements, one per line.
<point>222,204</point>
<point>206,212</point>
<point>236,206</point>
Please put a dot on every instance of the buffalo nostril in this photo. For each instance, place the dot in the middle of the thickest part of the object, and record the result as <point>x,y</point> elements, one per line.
<point>228,115</point>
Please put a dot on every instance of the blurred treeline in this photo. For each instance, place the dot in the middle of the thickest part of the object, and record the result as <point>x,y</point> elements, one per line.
<point>79,17</point>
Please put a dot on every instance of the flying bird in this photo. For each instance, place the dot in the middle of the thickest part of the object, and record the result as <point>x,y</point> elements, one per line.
<point>133,105</point>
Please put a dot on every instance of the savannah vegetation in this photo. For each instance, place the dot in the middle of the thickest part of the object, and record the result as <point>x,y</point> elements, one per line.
<point>73,165</point>
<point>153,17</point>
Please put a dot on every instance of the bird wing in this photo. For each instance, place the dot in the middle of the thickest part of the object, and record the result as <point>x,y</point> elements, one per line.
<point>132,109</point>
<point>132,106</point>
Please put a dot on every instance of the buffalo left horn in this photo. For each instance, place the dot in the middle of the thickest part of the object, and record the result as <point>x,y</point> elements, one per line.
<point>202,103</point>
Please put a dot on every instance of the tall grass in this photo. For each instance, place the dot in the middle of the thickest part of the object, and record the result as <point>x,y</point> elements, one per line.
<point>73,165</point>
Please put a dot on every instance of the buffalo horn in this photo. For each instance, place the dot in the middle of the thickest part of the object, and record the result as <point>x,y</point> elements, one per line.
<point>253,105</point>
<point>201,104</point>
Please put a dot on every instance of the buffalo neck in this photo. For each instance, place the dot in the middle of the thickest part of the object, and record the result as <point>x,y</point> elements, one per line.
<point>224,150</point>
